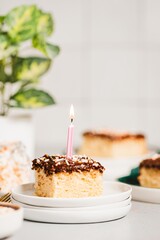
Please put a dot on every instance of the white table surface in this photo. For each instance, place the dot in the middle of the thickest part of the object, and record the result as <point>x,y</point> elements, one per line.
<point>142,223</point>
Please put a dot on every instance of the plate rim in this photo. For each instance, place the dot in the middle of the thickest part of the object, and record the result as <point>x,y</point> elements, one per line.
<point>72,202</point>
<point>123,211</point>
<point>25,205</point>
<point>141,187</point>
<point>146,188</point>
<point>73,199</point>
<point>142,194</point>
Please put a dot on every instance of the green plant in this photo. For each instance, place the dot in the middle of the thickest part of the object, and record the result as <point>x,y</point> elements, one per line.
<point>25,27</point>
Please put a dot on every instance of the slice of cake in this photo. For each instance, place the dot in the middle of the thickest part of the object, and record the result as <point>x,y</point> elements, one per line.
<point>149,175</point>
<point>14,165</point>
<point>113,144</point>
<point>59,177</point>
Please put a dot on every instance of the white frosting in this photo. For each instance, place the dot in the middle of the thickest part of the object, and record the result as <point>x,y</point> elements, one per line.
<point>14,165</point>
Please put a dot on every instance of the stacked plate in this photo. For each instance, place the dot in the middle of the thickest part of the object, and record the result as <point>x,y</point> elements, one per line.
<point>115,203</point>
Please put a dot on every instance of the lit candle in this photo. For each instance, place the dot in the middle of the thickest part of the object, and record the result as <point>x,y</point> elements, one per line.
<point>70,134</point>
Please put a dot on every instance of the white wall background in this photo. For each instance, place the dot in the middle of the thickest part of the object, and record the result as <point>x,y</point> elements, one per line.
<point>109,68</point>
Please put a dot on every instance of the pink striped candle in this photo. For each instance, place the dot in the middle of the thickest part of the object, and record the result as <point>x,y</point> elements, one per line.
<point>70,134</point>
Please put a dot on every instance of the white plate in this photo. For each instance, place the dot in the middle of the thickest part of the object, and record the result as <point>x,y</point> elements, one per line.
<point>113,192</point>
<point>10,222</point>
<point>151,195</point>
<point>118,167</point>
<point>108,206</point>
<point>82,216</point>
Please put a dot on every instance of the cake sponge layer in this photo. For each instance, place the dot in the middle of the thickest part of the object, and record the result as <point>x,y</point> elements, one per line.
<point>103,147</point>
<point>149,177</point>
<point>69,185</point>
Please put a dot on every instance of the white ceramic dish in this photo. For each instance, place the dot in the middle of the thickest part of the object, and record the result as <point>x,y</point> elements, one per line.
<point>151,195</point>
<point>108,206</point>
<point>82,216</point>
<point>118,167</point>
<point>10,222</point>
<point>113,192</point>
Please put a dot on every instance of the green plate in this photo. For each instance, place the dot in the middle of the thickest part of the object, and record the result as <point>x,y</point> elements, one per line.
<point>131,178</point>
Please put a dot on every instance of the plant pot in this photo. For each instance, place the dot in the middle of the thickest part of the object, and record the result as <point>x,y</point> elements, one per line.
<point>18,127</point>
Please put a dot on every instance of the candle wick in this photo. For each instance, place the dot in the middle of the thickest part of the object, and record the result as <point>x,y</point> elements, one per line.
<point>71,120</point>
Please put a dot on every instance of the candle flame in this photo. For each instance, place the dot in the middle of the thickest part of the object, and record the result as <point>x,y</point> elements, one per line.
<point>71,113</point>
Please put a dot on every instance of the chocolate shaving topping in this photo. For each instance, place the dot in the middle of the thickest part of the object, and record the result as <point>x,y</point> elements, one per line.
<point>112,136</point>
<point>59,163</point>
<point>150,163</point>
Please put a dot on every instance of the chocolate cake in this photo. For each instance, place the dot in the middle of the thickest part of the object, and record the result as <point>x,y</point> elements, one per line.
<point>59,177</point>
<point>150,172</point>
<point>113,144</point>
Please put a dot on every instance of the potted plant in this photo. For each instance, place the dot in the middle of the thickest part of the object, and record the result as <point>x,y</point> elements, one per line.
<point>24,27</point>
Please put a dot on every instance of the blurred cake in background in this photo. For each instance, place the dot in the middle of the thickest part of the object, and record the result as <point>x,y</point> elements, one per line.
<point>14,165</point>
<point>112,144</point>
<point>149,172</point>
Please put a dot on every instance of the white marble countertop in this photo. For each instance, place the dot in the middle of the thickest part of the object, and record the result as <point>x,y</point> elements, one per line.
<point>142,223</point>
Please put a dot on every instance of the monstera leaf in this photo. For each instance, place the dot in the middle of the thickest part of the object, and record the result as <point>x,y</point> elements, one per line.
<point>52,50</point>
<point>1,21</point>
<point>3,76</point>
<point>21,23</point>
<point>4,41</point>
<point>6,48</point>
<point>29,68</point>
<point>44,24</point>
<point>26,21</point>
<point>31,98</point>
<point>31,24</point>
<point>48,49</point>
